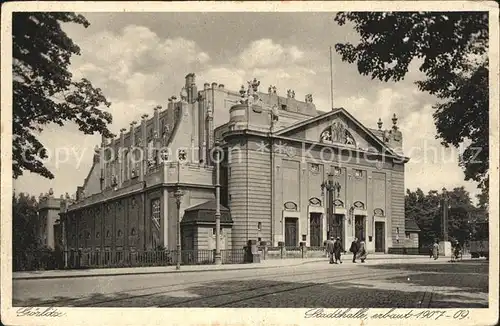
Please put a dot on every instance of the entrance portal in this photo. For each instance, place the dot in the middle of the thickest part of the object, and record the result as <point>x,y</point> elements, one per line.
<point>359,227</point>
<point>291,232</point>
<point>379,236</point>
<point>335,227</point>
<point>315,230</point>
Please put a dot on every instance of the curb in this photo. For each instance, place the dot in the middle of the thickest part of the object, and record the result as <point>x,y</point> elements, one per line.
<point>315,260</point>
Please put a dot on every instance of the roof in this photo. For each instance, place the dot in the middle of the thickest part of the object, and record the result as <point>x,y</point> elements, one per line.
<point>335,111</point>
<point>411,225</point>
<point>208,205</point>
<point>204,213</point>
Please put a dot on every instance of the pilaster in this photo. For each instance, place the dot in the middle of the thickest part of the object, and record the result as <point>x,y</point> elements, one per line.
<point>144,145</point>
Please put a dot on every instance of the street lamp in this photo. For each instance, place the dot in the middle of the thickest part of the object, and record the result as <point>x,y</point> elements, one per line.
<point>335,187</point>
<point>444,218</point>
<point>178,195</point>
<point>218,258</point>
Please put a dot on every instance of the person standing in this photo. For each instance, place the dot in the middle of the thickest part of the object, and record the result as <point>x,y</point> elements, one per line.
<point>330,249</point>
<point>435,250</point>
<point>337,250</point>
<point>354,249</point>
<point>362,251</point>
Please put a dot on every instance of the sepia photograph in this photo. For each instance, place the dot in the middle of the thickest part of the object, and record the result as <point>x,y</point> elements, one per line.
<point>336,158</point>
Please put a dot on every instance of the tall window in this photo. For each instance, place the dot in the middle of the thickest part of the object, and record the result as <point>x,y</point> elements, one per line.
<point>156,220</point>
<point>155,213</point>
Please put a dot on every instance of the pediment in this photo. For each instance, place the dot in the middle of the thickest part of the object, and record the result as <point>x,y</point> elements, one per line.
<point>337,128</point>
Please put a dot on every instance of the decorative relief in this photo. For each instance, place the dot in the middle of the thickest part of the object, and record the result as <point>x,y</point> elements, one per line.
<point>379,165</point>
<point>314,201</point>
<point>337,171</point>
<point>378,212</point>
<point>358,173</point>
<point>315,169</point>
<point>337,133</point>
<point>358,205</point>
<point>182,155</point>
<point>290,206</point>
<point>338,203</point>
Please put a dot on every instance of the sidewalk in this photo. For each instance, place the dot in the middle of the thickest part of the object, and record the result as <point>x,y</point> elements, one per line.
<point>264,264</point>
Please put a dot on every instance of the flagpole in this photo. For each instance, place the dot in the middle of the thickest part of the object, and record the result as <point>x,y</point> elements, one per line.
<point>331,79</point>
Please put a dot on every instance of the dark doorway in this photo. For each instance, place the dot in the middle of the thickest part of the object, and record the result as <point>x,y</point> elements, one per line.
<point>335,226</point>
<point>379,236</point>
<point>291,232</point>
<point>359,227</point>
<point>315,229</point>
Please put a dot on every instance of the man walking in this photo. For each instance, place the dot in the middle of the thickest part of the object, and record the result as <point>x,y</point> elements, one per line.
<point>337,249</point>
<point>330,249</point>
<point>354,249</point>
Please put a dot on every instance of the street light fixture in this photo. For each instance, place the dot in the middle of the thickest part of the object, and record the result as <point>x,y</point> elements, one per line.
<point>335,187</point>
<point>445,205</point>
<point>218,258</point>
<point>178,196</point>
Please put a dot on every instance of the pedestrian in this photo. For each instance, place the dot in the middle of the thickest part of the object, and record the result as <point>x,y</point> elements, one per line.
<point>337,249</point>
<point>354,249</point>
<point>362,252</point>
<point>435,250</point>
<point>329,249</point>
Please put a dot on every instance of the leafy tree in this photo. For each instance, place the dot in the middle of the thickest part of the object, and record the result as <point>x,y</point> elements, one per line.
<point>427,212</point>
<point>44,91</point>
<point>24,223</point>
<point>452,47</point>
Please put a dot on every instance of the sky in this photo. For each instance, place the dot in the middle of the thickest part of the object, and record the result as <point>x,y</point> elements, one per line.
<point>139,60</point>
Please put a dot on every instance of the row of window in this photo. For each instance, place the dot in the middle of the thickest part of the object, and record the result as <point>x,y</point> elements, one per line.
<point>119,234</point>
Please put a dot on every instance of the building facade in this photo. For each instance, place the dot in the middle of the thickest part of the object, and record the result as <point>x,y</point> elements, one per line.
<point>289,173</point>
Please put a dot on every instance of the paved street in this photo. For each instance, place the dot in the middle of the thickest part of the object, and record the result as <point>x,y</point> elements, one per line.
<point>417,283</point>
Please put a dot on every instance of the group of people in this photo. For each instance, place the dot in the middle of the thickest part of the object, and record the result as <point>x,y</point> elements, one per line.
<point>335,250</point>
<point>455,254</point>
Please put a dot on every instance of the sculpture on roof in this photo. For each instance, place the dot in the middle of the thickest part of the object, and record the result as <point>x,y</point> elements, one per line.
<point>309,98</point>
<point>290,93</point>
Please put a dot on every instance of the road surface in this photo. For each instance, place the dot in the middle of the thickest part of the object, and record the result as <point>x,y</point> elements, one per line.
<point>417,284</point>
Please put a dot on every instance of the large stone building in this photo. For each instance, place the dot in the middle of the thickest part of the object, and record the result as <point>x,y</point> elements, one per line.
<point>290,173</point>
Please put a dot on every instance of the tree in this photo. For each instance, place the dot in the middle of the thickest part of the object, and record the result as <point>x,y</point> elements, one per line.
<point>24,223</point>
<point>44,91</point>
<point>427,212</point>
<point>453,48</point>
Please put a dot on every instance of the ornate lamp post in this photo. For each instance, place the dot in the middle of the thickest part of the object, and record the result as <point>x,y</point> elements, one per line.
<point>445,204</point>
<point>218,258</point>
<point>330,186</point>
<point>178,196</point>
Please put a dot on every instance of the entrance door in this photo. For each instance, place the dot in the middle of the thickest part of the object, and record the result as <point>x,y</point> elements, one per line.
<point>315,230</point>
<point>379,237</point>
<point>335,227</point>
<point>291,232</point>
<point>359,227</point>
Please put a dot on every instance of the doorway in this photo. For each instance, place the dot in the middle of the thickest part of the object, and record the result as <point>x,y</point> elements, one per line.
<point>291,232</point>
<point>379,236</point>
<point>315,230</point>
<point>359,227</point>
<point>335,227</point>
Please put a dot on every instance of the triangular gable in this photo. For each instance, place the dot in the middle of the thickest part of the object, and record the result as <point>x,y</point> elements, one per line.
<point>312,129</point>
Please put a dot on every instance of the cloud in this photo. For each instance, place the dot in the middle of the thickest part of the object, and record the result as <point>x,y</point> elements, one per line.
<point>266,53</point>
<point>137,70</point>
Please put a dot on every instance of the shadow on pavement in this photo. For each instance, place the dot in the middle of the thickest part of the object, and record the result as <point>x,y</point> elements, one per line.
<point>457,289</point>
